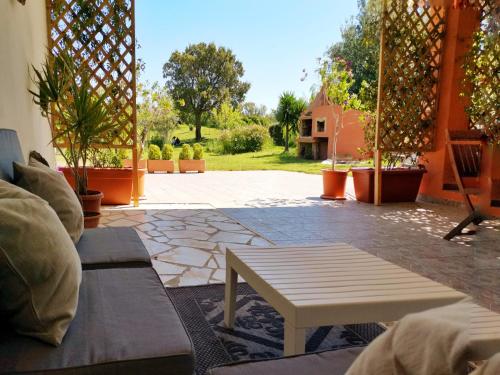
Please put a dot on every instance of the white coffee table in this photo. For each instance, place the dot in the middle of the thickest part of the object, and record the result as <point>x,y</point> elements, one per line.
<point>328,285</point>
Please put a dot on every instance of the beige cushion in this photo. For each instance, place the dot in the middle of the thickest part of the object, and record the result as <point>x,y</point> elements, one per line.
<point>40,271</point>
<point>491,367</point>
<point>51,186</point>
<point>431,342</point>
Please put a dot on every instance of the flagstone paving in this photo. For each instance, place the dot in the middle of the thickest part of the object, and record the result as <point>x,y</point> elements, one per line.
<point>187,243</point>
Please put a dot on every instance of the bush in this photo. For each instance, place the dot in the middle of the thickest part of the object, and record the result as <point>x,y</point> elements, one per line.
<point>154,152</point>
<point>244,139</point>
<point>157,140</point>
<point>167,153</point>
<point>186,152</point>
<point>276,134</point>
<point>107,158</point>
<point>197,151</point>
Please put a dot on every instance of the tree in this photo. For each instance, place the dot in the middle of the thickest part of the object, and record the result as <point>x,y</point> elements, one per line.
<point>288,113</point>
<point>360,49</point>
<point>156,111</point>
<point>226,117</point>
<point>337,81</point>
<point>203,77</point>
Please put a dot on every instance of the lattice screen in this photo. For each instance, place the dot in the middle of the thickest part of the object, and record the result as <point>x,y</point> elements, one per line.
<point>412,46</point>
<point>100,36</point>
<point>482,70</point>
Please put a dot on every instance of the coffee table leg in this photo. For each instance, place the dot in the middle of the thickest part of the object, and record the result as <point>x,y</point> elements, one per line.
<point>230,296</point>
<point>295,340</point>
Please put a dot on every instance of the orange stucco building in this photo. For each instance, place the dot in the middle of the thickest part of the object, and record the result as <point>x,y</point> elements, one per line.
<point>317,131</point>
<point>461,24</point>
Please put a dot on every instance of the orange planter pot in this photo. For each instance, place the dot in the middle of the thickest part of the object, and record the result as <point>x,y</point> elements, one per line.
<point>91,219</point>
<point>334,184</point>
<point>192,166</point>
<point>398,185</point>
<point>92,201</point>
<point>161,166</point>
<point>114,183</point>
<point>142,164</point>
<point>141,173</point>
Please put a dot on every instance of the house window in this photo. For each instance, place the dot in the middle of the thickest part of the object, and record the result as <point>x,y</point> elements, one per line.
<point>320,126</point>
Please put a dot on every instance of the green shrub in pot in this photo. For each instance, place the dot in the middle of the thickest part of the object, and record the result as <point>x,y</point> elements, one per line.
<point>197,151</point>
<point>186,152</point>
<point>154,152</point>
<point>168,152</point>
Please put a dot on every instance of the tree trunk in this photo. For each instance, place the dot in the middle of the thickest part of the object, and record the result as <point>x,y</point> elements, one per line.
<point>287,135</point>
<point>197,125</point>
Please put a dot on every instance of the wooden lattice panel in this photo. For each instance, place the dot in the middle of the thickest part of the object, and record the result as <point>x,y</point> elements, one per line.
<point>100,36</point>
<point>483,71</point>
<point>413,35</point>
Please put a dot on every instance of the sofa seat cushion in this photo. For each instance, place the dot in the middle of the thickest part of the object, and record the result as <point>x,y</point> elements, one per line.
<point>112,248</point>
<point>335,362</point>
<point>125,324</point>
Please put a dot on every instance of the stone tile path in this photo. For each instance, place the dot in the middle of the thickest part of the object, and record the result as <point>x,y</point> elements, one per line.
<point>187,243</point>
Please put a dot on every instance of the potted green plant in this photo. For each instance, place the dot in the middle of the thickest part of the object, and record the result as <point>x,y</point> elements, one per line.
<point>79,120</point>
<point>167,154</point>
<point>337,80</point>
<point>108,176</point>
<point>191,159</point>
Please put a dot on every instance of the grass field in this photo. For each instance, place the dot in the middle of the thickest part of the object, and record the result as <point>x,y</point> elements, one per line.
<point>270,158</point>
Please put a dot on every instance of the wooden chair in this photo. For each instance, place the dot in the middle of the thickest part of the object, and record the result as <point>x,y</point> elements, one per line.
<point>465,150</point>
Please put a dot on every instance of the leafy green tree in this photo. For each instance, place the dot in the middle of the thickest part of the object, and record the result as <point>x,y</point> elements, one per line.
<point>156,111</point>
<point>360,48</point>
<point>201,78</point>
<point>226,117</point>
<point>288,114</point>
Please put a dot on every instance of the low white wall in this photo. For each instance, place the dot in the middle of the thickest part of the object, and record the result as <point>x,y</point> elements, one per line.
<point>23,42</point>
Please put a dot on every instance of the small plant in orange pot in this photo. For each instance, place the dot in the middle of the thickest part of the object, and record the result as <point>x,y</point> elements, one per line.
<point>337,79</point>
<point>157,161</point>
<point>79,120</point>
<point>191,159</point>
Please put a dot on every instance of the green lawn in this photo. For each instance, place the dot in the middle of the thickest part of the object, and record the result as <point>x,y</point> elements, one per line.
<point>271,158</point>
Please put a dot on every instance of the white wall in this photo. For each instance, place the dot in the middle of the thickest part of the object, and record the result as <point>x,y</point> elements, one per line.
<point>23,41</point>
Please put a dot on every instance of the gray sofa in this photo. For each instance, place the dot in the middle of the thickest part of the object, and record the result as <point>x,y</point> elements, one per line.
<point>125,322</point>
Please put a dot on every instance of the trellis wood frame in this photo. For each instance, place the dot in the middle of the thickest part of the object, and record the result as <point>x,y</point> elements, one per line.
<point>482,81</point>
<point>412,36</point>
<point>100,35</point>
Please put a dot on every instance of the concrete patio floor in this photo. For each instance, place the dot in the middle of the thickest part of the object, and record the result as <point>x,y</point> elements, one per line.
<point>283,207</point>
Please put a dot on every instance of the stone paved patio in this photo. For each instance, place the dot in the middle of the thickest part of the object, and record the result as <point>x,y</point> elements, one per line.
<point>283,207</point>
<point>187,243</point>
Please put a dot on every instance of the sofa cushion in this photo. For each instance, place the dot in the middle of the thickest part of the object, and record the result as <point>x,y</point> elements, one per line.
<point>125,324</point>
<point>112,248</point>
<point>434,341</point>
<point>51,186</point>
<point>40,271</point>
<point>326,363</point>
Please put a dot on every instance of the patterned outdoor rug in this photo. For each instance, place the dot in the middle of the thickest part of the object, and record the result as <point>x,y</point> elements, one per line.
<point>258,332</point>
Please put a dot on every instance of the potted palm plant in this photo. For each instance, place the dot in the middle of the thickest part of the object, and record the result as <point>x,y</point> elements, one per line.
<point>79,120</point>
<point>337,79</point>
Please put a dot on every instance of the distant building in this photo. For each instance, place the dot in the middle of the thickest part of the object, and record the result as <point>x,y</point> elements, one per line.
<point>317,131</point>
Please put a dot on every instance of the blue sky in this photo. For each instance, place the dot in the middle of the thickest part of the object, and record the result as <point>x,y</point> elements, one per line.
<point>274,39</point>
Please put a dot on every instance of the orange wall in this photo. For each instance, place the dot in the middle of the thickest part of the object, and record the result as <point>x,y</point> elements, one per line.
<point>351,137</point>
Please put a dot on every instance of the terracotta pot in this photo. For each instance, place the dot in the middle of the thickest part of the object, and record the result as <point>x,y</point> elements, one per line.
<point>114,183</point>
<point>160,166</point>
<point>334,184</point>
<point>91,219</point>
<point>92,201</point>
<point>142,164</point>
<point>398,185</point>
<point>192,166</point>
